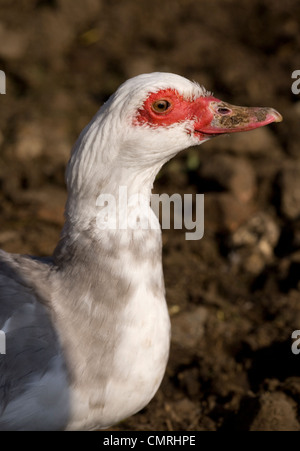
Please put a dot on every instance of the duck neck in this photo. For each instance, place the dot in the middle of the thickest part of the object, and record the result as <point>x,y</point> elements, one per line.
<point>104,168</point>
<point>116,207</point>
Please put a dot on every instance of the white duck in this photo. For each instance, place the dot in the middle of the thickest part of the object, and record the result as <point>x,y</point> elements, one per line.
<point>87,330</point>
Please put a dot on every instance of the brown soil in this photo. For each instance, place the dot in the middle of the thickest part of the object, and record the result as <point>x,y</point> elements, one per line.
<point>234,295</point>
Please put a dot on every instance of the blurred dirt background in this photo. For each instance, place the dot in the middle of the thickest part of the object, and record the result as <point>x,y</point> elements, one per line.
<point>234,295</point>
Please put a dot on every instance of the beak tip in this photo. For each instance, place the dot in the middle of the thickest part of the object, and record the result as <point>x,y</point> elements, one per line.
<point>277,117</point>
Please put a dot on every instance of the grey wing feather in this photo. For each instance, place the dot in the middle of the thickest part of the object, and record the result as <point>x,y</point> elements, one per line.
<point>33,379</point>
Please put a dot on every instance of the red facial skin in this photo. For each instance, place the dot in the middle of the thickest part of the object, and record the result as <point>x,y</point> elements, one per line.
<point>180,110</point>
<point>211,116</point>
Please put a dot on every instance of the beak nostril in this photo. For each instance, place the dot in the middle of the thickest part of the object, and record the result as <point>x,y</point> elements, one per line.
<point>223,110</point>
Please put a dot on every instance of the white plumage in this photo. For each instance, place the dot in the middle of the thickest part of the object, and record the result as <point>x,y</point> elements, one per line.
<point>88,330</point>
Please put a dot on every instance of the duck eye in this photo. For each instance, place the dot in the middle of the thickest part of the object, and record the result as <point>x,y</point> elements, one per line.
<point>161,106</point>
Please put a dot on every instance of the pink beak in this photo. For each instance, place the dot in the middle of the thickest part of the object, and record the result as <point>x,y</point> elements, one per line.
<point>221,117</point>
